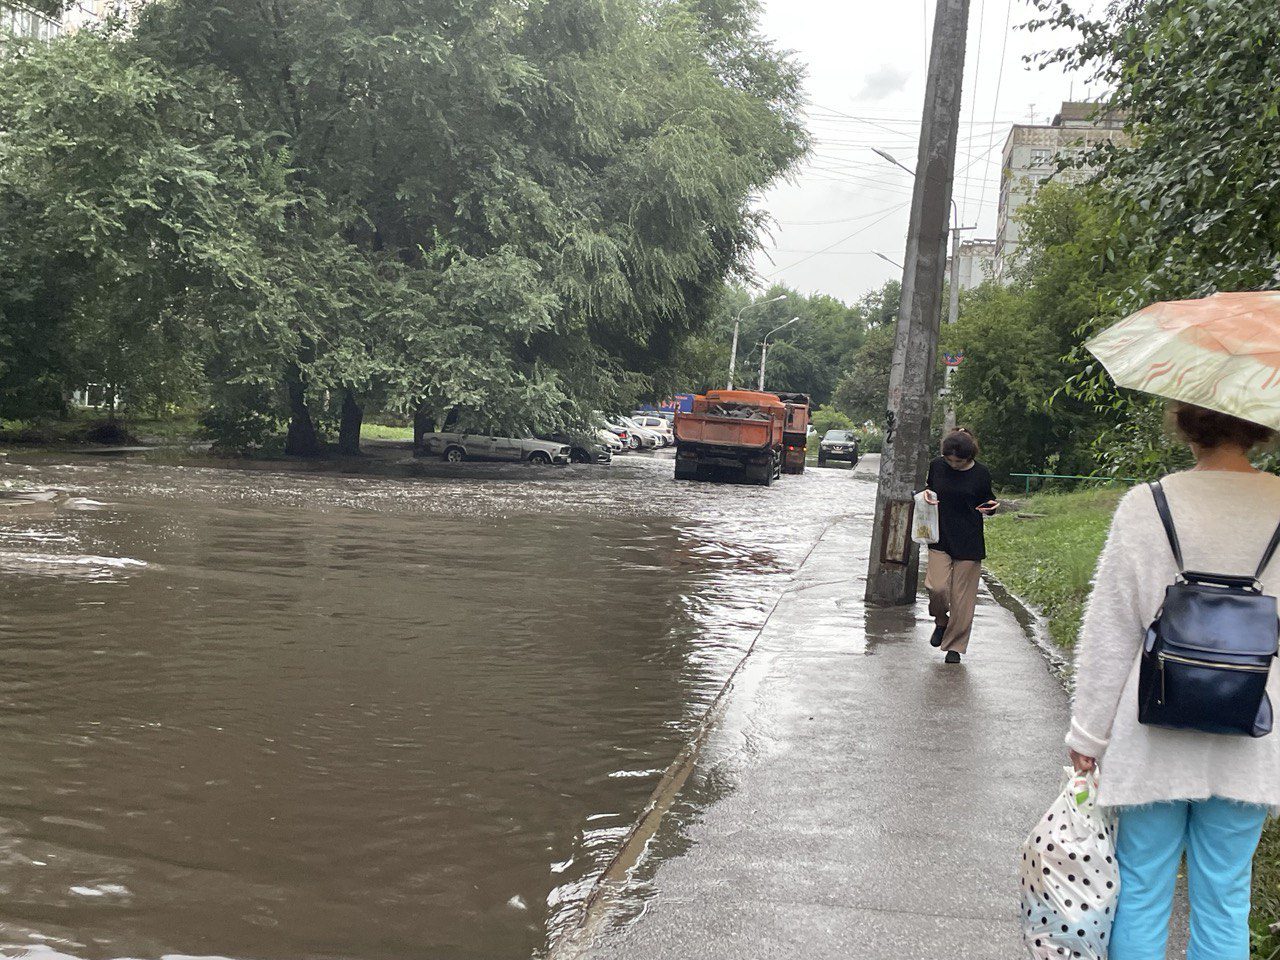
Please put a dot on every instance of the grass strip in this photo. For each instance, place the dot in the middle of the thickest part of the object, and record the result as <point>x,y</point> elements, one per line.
<point>1046,553</point>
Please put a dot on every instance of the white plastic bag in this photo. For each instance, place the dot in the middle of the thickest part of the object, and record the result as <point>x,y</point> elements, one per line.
<point>1070,881</point>
<point>924,525</point>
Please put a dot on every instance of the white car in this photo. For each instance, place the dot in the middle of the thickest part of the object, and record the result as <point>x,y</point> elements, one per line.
<point>658,425</point>
<point>649,439</point>
<point>632,437</point>
<point>611,441</point>
<point>456,447</point>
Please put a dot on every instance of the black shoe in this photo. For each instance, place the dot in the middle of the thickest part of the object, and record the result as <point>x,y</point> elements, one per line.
<point>953,656</point>
<point>936,639</point>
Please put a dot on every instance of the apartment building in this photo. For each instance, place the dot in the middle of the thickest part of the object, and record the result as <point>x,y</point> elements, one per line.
<point>977,263</point>
<point>1030,159</point>
<point>25,21</point>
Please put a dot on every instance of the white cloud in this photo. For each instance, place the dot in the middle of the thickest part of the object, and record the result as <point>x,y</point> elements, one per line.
<point>883,82</point>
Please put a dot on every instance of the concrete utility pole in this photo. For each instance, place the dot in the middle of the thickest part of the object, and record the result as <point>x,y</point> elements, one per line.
<point>894,567</point>
<point>953,314</point>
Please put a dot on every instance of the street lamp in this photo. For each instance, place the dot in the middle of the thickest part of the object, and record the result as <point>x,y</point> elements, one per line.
<point>764,347</point>
<point>886,155</point>
<point>886,259</point>
<point>733,351</point>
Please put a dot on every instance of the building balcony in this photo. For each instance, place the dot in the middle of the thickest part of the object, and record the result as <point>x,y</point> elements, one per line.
<point>23,21</point>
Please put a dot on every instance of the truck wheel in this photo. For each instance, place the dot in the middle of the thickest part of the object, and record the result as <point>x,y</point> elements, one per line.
<point>454,455</point>
<point>539,459</point>
<point>686,470</point>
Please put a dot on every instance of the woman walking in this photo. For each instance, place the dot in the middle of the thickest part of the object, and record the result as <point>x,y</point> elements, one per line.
<point>1178,790</point>
<point>961,487</point>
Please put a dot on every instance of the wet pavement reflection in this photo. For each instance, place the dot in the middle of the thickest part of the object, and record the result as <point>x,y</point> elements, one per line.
<point>273,714</point>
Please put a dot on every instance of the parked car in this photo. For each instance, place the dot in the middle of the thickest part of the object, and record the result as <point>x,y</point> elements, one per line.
<point>612,442</point>
<point>630,435</point>
<point>455,447</point>
<point>649,439</point>
<point>582,449</point>
<point>622,434</point>
<point>659,425</point>
<point>838,445</point>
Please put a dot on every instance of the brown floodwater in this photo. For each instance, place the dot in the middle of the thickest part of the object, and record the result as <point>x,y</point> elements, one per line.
<point>273,714</point>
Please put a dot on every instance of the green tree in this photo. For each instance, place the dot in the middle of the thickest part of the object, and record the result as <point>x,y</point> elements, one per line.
<point>829,418</point>
<point>120,223</point>
<point>805,357</point>
<point>1193,190</point>
<point>1020,340</point>
<point>503,213</point>
<point>557,189</point>
<point>862,389</point>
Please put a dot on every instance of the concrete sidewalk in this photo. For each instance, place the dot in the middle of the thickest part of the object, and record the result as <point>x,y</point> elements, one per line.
<point>870,799</point>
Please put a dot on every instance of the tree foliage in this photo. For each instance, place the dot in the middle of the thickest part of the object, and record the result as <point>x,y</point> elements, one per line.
<point>499,213</point>
<point>1193,198</point>
<point>804,357</point>
<point>863,386</point>
<point>1020,340</point>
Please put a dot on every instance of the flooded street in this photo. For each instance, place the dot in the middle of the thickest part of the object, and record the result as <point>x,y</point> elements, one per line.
<point>267,714</point>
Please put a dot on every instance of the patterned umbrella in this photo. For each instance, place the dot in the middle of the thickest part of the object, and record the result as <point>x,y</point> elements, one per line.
<point>1222,352</point>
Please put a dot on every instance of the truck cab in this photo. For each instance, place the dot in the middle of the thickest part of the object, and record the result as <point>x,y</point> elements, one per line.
<point>795,431</point>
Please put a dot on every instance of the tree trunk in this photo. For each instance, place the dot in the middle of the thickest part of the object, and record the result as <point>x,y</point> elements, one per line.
<point>302,440</point>
<point>423,423</point>
<point>349,431</point>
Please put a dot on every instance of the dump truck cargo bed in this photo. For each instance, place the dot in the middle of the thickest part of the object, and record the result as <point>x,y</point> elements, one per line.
<point>731,434</point>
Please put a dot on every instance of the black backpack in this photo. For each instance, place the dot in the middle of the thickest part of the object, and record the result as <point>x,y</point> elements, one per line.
<point>1209,650</point>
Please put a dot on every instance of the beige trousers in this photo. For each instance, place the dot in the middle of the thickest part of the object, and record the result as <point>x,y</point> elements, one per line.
<point>953,594</point>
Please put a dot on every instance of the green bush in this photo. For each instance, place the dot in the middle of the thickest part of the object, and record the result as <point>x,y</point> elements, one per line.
<point>827,418</point>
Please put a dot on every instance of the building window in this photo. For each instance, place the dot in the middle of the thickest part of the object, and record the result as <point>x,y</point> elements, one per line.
<point>1041,158</point>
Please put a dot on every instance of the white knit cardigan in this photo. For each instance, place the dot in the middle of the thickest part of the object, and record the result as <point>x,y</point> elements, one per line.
<point>1224,521</point>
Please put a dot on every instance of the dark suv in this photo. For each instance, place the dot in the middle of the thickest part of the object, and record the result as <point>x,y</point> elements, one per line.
<point>838,445</point>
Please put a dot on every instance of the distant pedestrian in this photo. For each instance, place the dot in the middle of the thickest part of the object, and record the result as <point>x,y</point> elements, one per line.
<point>961,487</point>
<point>1178,790</point>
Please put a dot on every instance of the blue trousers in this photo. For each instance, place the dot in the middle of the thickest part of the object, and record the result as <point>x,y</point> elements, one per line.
<point>1219,838</point>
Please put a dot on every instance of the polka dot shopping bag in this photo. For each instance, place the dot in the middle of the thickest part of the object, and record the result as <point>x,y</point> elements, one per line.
<point>1069,876</point>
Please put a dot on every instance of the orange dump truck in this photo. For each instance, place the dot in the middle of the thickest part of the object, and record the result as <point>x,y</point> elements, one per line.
<point>795,435</point>
<point>731,435</point>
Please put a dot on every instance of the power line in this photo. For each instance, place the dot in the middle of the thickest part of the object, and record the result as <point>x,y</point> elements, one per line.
<point>825,223</point>
<point>855,233</point>
<point>832,253</point>
<point>973,104</point>
<point>986,173</point>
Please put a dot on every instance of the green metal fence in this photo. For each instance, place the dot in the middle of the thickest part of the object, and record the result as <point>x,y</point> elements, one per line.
<point>1065,476</point>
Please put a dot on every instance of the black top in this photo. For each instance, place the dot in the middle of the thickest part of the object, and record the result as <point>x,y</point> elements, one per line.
<point>959,493</point>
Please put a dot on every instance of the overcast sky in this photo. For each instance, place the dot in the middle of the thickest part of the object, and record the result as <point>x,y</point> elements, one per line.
<point>866,63</point>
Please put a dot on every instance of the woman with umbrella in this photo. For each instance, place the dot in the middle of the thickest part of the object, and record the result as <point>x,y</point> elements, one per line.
<point>1183,790</point>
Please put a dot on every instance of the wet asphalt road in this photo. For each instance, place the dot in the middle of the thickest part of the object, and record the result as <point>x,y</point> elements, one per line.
<point>860,798</point>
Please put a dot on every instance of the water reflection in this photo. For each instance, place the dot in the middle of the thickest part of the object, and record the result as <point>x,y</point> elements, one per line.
<point>255,713</point>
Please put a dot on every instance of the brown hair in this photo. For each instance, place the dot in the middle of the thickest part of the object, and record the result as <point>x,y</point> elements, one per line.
<point>1209,428</point>
<point>960,443</point>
